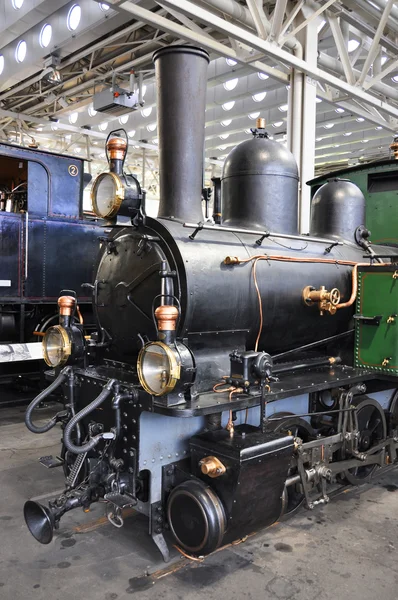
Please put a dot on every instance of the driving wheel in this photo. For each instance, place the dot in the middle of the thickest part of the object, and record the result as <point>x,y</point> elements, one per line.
<point>293,496</point>
<point>372,430</point>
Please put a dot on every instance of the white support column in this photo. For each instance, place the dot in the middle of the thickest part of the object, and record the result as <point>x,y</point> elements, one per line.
<point>308,126</point>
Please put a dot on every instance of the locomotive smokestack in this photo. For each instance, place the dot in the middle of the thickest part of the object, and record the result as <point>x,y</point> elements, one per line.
<point>181,76</point>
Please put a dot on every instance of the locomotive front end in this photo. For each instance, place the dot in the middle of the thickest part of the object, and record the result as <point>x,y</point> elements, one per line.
<point>219,389</point>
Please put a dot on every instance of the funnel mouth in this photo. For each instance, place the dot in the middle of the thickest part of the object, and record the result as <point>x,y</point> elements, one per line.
<point>181,49</point>
<point>39,521</point>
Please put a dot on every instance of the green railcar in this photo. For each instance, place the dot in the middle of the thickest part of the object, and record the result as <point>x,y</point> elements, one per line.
<point>378,182</point>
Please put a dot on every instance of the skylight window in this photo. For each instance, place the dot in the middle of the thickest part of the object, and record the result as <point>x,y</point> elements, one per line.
<point>45,35</point>
<point>283,107</point>
<point>259,97</point>
<point>254,115</point>
<point>123,119</point>
<point>277,124</point>
<point>151,126</point>
<point>231,62</point>
<point>226,122</point>
<point>91,111</point>
<point>228,105</point>
<point>231,84</point>
<point>73,117</point>
<point>102,126</point>
<point>328,125</point>
<point>340,110</point>
<point>262,76</point>
<point>73,18</point>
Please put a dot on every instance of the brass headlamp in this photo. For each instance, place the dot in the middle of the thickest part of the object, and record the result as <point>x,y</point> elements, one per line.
<point>65,340</point>
<point>116,192</point>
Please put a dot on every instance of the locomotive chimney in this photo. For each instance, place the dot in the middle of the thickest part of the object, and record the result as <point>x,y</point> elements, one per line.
<point>181,77</point>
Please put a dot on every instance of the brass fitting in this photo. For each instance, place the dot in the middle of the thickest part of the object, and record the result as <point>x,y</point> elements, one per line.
<point>327,301</point>
<point>394,147</point>
<point>391,319</point>
<point>212,467</point>
<point>66,305</point>
<point>231,260</point>
<point>386,362</point>
<point>116,148</point>
<point>166,317</point>
<point>260,123</point>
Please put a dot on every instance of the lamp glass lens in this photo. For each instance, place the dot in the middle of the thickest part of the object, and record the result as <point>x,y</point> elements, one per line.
<point>155,368</point>
<point>105,195</point>
<point>54,346</point>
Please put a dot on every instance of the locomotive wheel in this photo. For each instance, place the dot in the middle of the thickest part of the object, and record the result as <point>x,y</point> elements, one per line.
<point>293,496</point>
<point>196,517</point>
<point>373,429</point>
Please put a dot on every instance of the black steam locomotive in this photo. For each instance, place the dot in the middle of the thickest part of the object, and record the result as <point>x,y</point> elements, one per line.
<point>46,245</point>
<point>237,370</point>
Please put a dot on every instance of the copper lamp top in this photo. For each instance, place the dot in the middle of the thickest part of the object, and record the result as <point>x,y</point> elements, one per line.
<point>116,148</point>
<point>260,123</point>
<point>66,305</point>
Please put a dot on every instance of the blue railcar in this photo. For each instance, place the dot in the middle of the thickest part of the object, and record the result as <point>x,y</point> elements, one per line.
<point>46,244</point>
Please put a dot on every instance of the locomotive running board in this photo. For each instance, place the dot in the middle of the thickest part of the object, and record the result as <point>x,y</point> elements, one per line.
<point>20,352</point>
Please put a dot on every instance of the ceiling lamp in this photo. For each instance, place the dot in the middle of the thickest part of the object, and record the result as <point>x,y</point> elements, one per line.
<point>228,105</point>
<point>20,51</point>
<point>231,84</point>
<point>74,16</point>
<point>352,45</point>
<point>45,35</point>
<point>259,97</point>
<point>146,111</point>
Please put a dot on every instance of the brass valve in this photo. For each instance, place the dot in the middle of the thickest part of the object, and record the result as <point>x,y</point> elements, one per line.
<point>386,362</point>
<point>327,301</point>
<point>391,319</point>
<point>395,275</point>
<point>211,466</point>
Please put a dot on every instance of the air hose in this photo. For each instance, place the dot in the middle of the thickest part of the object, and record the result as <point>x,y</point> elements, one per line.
<point>44,394</point>
<point>106,392</point>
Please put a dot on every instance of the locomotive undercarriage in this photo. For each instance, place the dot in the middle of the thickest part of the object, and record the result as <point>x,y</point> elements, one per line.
<point>321,444</point>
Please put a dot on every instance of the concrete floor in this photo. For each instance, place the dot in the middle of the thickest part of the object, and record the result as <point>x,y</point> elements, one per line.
<point>347,549</point>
